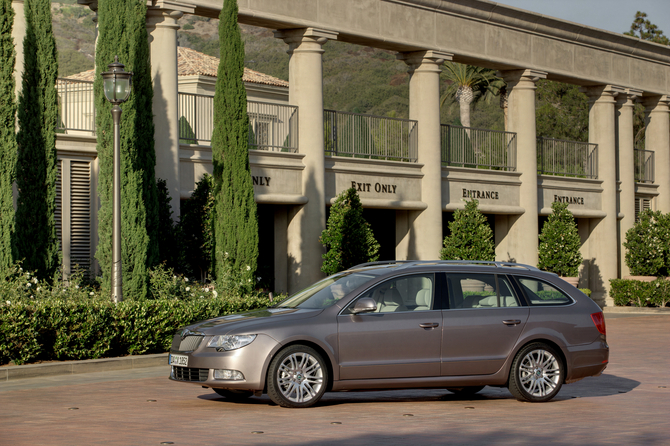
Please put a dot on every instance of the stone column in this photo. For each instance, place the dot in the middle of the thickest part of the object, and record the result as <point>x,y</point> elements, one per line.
<point>425,227</point>
<point>522,237</point>
<point>626,145</point>
<point>603,239</point>
<point>18,33</point>
<point>162,29</point>
<point>305,223</point>
<point>657,138</point>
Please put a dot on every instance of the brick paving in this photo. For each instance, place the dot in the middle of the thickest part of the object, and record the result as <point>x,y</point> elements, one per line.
<point>628,405</point>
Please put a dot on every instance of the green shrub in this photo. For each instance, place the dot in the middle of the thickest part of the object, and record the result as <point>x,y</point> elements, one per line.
<point>585,291</point>
<point>471,237</point>
<point>559,243</point>
<point>635,292</point>
<point>73,320</point>
<point>647,251</point>
<point>56,329</point>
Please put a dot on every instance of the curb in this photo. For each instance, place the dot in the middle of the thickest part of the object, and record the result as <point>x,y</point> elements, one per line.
<point>636,310</point>
<point>85,366</point>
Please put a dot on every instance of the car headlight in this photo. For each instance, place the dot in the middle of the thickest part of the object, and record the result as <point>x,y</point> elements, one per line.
<point>231,342</point>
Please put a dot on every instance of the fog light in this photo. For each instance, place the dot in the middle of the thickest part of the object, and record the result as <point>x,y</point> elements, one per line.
<point>230,375</point>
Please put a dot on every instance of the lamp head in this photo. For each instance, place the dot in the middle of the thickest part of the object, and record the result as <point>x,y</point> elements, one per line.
<point>117,82</point>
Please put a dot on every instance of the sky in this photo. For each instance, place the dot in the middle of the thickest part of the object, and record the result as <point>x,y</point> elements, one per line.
<point>610,15</point>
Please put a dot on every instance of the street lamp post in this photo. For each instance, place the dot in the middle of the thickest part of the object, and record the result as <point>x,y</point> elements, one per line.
<point>117,86</point>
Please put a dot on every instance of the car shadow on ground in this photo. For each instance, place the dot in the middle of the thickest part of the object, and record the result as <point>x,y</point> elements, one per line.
<point>604,385</point>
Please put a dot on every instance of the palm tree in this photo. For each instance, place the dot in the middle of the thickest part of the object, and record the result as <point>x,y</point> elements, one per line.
<point>468,85</point>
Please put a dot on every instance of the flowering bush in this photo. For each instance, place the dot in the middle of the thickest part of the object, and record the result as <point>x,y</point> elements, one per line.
<point>640,294</point>
<point>559,243</point>
<point>471,237</point>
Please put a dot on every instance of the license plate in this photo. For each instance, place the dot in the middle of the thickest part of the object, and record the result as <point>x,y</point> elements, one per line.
<point>179,360</point>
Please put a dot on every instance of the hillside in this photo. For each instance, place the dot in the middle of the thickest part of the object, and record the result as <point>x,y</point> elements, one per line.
<point>356,78</point>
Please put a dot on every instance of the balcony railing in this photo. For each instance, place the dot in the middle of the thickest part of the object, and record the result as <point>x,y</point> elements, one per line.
<point>76,105</point>
<point>567,158</point>
<point>644,166</point>
<point>372,137</point>
<point>196,118</point>
<point>478,148</point>
<point>272,127</point>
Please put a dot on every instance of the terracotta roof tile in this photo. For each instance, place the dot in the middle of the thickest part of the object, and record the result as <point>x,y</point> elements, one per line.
<point>191,62</point>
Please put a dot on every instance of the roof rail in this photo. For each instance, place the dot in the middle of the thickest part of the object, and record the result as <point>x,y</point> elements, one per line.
<point>447,262</point>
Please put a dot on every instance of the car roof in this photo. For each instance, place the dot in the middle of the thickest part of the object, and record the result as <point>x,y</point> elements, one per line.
<point>396,266</point>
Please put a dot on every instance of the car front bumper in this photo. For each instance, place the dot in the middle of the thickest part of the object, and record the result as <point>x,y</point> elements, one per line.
<point>252,361</point>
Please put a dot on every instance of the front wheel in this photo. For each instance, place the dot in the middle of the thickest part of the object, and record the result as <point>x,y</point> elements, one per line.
<point>297,377</point>
<point>537,373</point>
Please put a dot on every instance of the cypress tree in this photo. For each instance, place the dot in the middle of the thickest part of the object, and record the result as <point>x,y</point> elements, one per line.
<point>235,221</point>
<point>122,32</point>
<point>348,238</point>
<point>7,135</point>
<point>35,238</point>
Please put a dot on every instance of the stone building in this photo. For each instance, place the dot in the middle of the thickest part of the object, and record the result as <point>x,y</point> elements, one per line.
<point>411,173</point>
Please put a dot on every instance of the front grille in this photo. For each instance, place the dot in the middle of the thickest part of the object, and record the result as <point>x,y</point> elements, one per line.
<point>189,374</point>
<point>188,344</point>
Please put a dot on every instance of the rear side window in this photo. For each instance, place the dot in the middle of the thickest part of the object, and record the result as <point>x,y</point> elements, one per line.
<point>480,291</point>
<point>542,293</point>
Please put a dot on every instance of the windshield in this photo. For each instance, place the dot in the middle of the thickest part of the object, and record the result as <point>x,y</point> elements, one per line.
<point>326,292</point>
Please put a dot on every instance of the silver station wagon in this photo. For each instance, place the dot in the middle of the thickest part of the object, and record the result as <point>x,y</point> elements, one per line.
<point>399,325</point>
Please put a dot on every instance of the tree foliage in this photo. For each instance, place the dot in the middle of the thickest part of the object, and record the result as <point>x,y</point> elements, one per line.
<point>562,111</point>
<point>645,30</point>
<point>648,245</point>
<point>559,243</point>
<point>195,230</point>
<point>122,32</point>
<point>468,84</point>
<point>168,247</point>
<point>471,237</point>
<point>7,133</point>
<point>348,238</point>
<point>236,220</point>
<point>36,239</point>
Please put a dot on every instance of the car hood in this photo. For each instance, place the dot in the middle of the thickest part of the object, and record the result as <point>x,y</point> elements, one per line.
<point>244,321</point>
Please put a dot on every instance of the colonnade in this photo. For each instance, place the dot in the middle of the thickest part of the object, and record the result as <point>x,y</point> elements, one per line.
<point>610,126</point>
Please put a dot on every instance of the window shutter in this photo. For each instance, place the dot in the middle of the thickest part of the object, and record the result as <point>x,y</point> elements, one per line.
<point>80,215</point>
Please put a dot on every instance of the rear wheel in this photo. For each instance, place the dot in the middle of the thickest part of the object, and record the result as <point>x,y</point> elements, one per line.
<point>465,391</point>
<point>234,395</point>
<point>537,373</point>
<point>297,377</point>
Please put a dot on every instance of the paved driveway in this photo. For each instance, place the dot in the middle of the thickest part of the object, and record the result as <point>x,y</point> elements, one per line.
<point>628,405</point>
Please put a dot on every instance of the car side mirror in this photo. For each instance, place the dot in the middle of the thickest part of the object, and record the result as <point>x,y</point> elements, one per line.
<point>364,305</point>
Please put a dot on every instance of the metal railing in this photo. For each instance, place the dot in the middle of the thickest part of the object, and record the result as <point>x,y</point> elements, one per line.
<point>478,148</point>
<point>196,118</point>
<point>76,105</point>
<point>644,166</point>
<point>567,158</point>
<point>272,127</point>
<point>372,137</point>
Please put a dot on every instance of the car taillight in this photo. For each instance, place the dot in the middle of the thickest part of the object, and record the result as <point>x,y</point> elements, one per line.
<point>599,321</point>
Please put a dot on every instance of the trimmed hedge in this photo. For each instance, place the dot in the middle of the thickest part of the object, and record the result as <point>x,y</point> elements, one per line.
<point>640,294</point>
<point>56,329</point>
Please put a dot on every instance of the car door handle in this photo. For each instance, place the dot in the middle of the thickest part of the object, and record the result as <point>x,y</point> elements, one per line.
<point>512,322</point>
<point>429,325</point>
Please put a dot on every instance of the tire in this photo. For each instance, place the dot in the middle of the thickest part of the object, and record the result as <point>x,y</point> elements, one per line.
<point>465,391</point>
<point>297,377</point>
<point>537,373</point>
<point>233,394</point>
